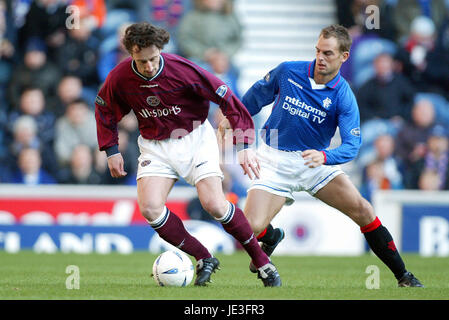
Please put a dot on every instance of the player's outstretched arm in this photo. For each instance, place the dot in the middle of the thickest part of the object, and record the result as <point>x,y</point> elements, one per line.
<point>116,166</point>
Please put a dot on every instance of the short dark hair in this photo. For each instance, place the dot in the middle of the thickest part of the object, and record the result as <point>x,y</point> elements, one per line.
<point>143,35</point>
<point>340,33</point>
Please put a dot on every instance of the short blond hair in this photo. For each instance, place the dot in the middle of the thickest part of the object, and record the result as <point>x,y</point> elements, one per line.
<point>340,33</point>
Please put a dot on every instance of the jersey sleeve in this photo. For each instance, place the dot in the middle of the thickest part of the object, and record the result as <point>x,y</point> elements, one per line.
<point>108,112</point>
<point>349,125</point>
<point>215,90</point>
<point>263,92</point>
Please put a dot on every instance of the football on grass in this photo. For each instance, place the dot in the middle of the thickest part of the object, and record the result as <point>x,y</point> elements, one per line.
<point>173,269</point>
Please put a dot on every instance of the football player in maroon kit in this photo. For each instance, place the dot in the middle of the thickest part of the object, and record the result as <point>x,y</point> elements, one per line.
<point>170,97</point>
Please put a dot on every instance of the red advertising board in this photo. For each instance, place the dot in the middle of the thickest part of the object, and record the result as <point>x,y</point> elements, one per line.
<point>69,211</point>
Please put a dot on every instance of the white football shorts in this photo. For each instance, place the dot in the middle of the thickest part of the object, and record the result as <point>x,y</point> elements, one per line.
<point>192,157</point>
<point>284,172</point>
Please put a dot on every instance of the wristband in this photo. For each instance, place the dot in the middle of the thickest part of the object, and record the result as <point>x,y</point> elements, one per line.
<point>325,158</point>
<point>112,150</point>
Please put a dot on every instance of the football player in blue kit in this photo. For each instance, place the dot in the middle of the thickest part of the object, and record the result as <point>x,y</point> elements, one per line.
<point>310,100</point>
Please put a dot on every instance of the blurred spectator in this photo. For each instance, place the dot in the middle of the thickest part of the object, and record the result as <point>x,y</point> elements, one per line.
<point>32,102</point>
<point>374,179</point>
<point>111,52</point>
<point>92,11</point>
<point>367,40</point>
<point>440,104</point>
<point>429,180</point>
<point>416,53</point>
<point>196,211</point>
<point>7,46</point>
<point>25,135</point>
<point>162,13</point>
<point>77,126</point>
<point>130,125</point>
<point>167,13</point>
<point>211,33</point>
<point>405,11</point>
<point>437,62</point>
<point>100,163</point>
<point>7,50</point>
<point>141,9</point>
<point>29,170</point>
<point>353,15</point>
<point>364,50</point>
<point>78,55</point>
<point>35,71</point>
<point>70,89</point>
<point>382,169</point>
<point>3,134</point>
<point>388,95</point>
<point>411,139</point>
<point>129,150</point>
<point>46,20</point>
<point>436,159</point>
<point>81,169</point>
<point>231,186</point>
<point>128,133</point>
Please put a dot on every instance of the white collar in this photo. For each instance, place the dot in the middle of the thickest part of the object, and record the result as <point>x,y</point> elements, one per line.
<point>316,86</point>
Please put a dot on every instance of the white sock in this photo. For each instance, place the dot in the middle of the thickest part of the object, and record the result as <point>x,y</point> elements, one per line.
<point>228,215</point>
<point>160,221</point>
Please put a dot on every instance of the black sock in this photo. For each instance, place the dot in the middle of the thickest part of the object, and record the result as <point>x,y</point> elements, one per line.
<point>382,244</point>
<point>269,235</point>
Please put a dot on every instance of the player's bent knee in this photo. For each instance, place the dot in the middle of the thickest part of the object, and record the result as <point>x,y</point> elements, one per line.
<point>151,211</point>
<point>215,207</point>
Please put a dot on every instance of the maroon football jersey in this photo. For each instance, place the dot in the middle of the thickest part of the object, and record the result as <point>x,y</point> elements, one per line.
<point>169,105</point>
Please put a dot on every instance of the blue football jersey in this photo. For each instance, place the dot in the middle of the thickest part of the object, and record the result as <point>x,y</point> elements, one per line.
<point>305,115</point>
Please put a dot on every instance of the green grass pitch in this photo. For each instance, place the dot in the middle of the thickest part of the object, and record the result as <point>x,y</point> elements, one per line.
<point>27,275</point>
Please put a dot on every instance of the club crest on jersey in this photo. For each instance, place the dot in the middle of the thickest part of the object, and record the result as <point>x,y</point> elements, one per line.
<point>221,91</point>
<point>99,100</point>
<point>355,132</point>
<point>144,163</point>
<point>326,103</point>
<point>153,101</point>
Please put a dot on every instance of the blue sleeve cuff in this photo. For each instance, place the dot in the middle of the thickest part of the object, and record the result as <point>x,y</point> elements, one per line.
<point>112,150</point>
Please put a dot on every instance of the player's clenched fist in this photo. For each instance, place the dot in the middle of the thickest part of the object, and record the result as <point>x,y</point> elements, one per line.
<point>116,166</point>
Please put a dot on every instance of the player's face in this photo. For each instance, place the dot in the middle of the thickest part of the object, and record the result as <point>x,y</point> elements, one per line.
<point>147,60</point>
<point>328,57</point>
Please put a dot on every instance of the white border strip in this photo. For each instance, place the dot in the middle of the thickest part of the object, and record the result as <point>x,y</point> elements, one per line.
<point>20,191</point>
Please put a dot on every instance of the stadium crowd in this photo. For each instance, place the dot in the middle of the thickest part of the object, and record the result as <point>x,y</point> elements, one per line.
<point>52,65</point>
